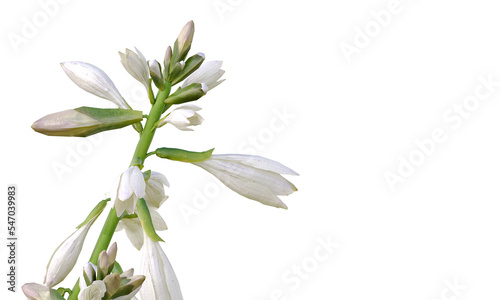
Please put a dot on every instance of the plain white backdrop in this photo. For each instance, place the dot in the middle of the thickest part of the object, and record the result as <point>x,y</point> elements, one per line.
<point>347,93</point>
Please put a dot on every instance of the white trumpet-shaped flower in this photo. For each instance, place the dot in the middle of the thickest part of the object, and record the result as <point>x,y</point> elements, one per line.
<point>254,177</point>
<point>64,258</point>
<point>35,291</point>
<point>95,291</point>
<point>155,189</point>
<point>127,190</point>
<point>154,197</point>
<point>183,117</point>
<point>209,73</point>
<point>93,80</point>
<point>133,227</point>
<point>136,65</point>
<point>161,282</point>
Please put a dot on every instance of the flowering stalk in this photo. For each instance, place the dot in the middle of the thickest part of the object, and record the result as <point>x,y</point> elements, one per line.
<point>138,158</point>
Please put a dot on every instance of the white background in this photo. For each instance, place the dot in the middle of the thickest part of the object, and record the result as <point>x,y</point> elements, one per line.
<point>351,118</point>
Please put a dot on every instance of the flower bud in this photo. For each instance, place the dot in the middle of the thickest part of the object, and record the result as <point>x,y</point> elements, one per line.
<point>190,93</point>
<point>155,72</point>
<point>166,61</point>
<point>183,43</point>
<point>64,258</point>
<point>88,275</point>
<point>183,155</point>
<point>192,64</point>
<point>112,282</point>
<point>85,121</point>
<point>136,65</point>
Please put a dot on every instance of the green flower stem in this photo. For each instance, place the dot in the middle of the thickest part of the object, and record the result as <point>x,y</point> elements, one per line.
<point>149,129</point>
<point>140,155</point>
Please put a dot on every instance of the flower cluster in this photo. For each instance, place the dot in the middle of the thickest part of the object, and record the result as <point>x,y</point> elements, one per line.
<point>136,195</point>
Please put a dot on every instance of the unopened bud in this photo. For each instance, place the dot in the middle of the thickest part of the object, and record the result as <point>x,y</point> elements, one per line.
<point>190,93</point>
<point>166,61</point>
<point>85,121</point>
<point>112,282</point>
<point>192,64</point>
<point>183,42</point>
<point>155,72</point>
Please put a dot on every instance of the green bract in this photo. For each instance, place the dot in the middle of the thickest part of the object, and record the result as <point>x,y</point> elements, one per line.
<point>183,155</point>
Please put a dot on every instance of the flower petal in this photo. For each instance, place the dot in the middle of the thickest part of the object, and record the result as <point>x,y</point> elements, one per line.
<point>94,80</point>
<point>257,162</point>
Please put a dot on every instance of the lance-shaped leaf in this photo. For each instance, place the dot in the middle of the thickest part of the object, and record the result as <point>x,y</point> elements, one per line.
<point>146,220</point>
<point>85,121</point>
<point>183,155</point>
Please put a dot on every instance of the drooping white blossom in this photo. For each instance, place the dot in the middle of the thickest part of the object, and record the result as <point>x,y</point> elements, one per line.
<point>254,177</point>
<point>161,282</point>
<point>154,197</point>
<point>209,73</point>
<point>183,117</point>
<point>127,190</point>
<point>133,227</point>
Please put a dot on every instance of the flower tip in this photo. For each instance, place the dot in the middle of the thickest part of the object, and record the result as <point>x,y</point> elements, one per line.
<point>201,54</point>
<point>204,88</point>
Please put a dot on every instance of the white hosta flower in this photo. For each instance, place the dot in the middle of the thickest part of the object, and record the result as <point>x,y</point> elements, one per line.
<point>183,117</point>
<point>136,65</point>
<point>95,291</point>
<point>89,271</point>
<point>254,177</point>
<point>127,190</point>
<point>64,258</point>
<point>209,73</point>
<point>35,291</point>
<point>133,227</point>
<point>161,282</point>
<point>154,197</point>
<point>93,80</point>
<point>155,189</point>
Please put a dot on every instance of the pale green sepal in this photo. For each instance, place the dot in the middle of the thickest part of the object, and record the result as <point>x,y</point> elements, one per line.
<point>95,212</point>
<point>183,155</point>
<point>190,93</point>
<point>192,64</point>
<point>146,221</point>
